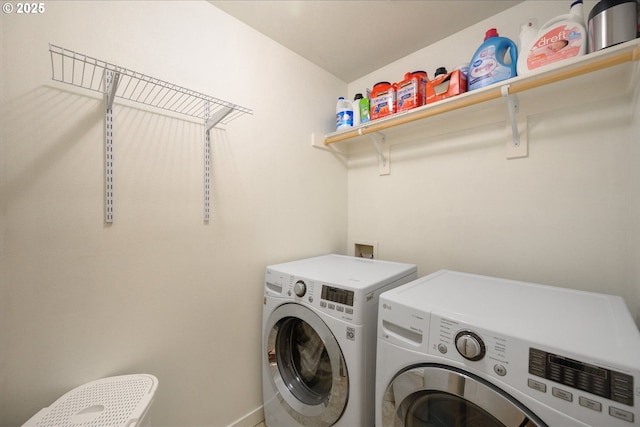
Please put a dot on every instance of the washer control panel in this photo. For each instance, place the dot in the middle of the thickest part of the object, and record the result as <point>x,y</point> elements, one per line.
<point>337,295</point>
<point>337,300</point>
<point>334,300</point>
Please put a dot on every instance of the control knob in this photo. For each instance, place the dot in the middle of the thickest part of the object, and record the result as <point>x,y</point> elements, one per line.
<point>470,345</point>
<point>300,288</point>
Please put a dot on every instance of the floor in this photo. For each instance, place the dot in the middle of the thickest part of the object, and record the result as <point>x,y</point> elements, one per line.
<point>262,424</point>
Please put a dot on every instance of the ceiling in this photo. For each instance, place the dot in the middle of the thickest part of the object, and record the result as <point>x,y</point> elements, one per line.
<point>351,38</point>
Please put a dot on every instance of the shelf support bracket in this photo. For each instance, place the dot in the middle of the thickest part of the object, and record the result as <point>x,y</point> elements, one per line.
<point>383,151</point>
<point>206,179</point>
<point>111,84</point>
<point>113,77</point>
<point>210,122</point>
<point>517,145</point>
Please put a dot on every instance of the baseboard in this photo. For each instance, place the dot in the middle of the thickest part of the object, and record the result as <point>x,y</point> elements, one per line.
<point>250,420</point>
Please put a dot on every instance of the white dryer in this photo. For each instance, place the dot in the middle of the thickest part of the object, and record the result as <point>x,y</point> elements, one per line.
<point>319,339</point>
<point>460,350</point>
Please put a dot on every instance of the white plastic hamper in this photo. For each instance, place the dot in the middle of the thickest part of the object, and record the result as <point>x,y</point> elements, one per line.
<point>121,401</point>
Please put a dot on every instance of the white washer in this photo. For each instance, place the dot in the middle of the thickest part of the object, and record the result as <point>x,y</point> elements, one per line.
<point>457,349</point>
<point>319,339</point>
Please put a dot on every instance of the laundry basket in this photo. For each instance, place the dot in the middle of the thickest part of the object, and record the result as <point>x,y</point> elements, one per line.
<point>121,401</point>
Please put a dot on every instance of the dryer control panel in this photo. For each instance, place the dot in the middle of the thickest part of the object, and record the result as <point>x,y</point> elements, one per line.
<point>573,376</point>
<point>475,347</point>
<point>592,393</point>
<point>603,382</point>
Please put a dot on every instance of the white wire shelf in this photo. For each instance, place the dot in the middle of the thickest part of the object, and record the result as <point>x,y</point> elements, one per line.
<point>113,81</point>
<point>80,70</point>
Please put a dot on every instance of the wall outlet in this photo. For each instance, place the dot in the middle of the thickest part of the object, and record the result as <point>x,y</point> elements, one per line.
<point>364,249</point>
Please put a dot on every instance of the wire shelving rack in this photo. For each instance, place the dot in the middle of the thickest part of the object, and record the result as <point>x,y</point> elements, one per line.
<point>116,82</point>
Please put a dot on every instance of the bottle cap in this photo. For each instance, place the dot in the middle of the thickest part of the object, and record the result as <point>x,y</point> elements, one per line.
<point>358,96</point>
<point>439,71</point>
<point>492,32</point>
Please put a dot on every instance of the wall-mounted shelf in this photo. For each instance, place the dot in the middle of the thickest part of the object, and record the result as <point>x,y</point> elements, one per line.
<point>585,71</point>
<point>116,82</point>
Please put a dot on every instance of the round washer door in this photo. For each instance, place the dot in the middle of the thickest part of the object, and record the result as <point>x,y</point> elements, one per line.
<point>307,366</point>
<point>441,396</point>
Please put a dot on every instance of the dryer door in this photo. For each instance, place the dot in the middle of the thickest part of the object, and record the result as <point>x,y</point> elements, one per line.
<point>306,365</point>
<point>442,396</point>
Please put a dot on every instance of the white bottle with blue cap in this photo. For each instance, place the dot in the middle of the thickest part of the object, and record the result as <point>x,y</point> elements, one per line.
<point>344,114</point>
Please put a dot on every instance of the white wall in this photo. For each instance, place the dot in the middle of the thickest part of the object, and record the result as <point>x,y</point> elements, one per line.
<point>159,291</point>
<point>567,215</point>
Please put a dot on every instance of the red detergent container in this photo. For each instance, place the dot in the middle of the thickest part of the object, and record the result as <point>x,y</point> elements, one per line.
<point>383,100</point>
<point>411,92</point>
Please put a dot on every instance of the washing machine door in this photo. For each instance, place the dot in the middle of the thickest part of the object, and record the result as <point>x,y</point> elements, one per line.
<point>306,365</point>
<point>441,396</point>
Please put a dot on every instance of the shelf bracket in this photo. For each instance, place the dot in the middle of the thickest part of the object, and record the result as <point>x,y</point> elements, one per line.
<point>383,151</point>
<point>517,145</point>
<point>112,79</point>
<point>111,83</point>
<point>210,122</point>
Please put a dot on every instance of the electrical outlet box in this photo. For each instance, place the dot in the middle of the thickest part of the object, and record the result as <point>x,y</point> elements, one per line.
<point>364,249</point>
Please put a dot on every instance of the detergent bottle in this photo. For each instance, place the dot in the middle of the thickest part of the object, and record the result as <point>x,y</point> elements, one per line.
<point>562,37</point>
<point>528,36</point>
<point>364,109</point>
<point>360,109</point>
<point>356,109</point>
<point>344,114</point>
<point>490,63</point>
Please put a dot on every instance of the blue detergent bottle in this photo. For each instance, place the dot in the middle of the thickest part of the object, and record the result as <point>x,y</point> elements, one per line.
<point>489,65</point>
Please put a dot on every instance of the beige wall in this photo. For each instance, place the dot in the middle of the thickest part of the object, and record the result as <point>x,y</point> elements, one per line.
<point>634,232</point>
<point>158,291</point>
<point>567,215</point>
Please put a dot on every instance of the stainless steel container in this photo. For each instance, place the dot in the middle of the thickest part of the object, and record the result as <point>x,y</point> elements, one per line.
<point>612,22</point>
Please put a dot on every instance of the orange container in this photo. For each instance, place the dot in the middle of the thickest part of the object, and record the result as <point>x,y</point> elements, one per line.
<point>383,100</point>
<point>412,91</point>
<point>446,86</point>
